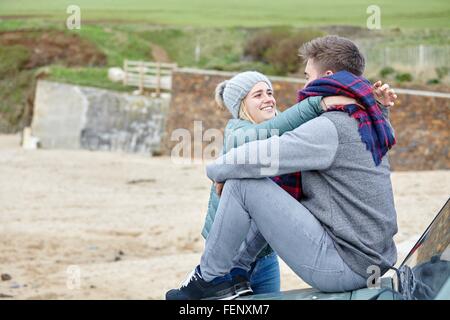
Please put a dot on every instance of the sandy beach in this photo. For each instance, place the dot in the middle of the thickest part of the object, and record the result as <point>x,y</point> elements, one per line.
<point>99,225</point>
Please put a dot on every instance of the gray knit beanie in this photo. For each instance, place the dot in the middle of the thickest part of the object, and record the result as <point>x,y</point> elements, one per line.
<point>231,92</point>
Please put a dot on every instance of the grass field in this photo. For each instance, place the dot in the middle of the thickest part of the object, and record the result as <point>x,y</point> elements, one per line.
<point>248,13</point>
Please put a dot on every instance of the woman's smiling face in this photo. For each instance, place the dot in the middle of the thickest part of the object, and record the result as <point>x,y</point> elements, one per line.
<point>260,103</point>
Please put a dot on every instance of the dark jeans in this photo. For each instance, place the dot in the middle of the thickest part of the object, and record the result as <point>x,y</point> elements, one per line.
<point>265,275</point>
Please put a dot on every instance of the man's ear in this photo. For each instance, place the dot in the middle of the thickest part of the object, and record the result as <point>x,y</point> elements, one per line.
<point>328,73</point>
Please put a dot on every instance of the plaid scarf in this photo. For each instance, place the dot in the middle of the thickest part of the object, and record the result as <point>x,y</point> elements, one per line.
<point>373,128</point>
<point>291,183</point>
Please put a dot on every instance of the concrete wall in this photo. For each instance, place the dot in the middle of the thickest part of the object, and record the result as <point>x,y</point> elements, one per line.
<point>72,117</point>
<point>421,122</point>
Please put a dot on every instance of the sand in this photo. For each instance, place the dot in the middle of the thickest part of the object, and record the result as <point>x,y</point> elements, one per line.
<point>99,225</point>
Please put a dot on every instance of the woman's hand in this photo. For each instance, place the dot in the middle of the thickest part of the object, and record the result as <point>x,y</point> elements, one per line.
<point>331,101</point>
<point>384,94</point>
<point>219,187</point>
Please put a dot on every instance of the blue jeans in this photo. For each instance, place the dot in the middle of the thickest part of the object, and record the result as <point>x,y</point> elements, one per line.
<point>265,275</point>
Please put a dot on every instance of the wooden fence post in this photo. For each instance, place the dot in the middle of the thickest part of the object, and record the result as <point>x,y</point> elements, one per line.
<point>141,77</point>
<point>158,79</point>
<point>125,69</point>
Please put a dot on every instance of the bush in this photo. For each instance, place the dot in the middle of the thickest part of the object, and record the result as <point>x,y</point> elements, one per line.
<point>257,45</point>
<point>403,77</point>
<point>279,48</point>
<point>442,72</point>
<point>434,81</point>
<point>284,56</point>
<point>386,72</point>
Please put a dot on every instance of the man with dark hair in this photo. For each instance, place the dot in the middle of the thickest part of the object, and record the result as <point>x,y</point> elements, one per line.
<point>344,226</point>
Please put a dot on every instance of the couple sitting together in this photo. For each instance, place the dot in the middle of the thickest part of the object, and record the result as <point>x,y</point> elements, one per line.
<point>328,209</point>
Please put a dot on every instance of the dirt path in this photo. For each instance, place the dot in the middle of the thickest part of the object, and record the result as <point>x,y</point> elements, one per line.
<point>159,54</point>
<point>129,225</point>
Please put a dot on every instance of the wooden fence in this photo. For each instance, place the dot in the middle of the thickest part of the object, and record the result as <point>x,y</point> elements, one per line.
<point>148,75</point>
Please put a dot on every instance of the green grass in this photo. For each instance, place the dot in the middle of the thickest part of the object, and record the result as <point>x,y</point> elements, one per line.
<point>248,13</point>
<point>180,45</point>
<point>117,44</point>
<point>92,77</point>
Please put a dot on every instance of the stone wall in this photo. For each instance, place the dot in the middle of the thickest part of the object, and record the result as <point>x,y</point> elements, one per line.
<point>72,117</point>
<point>421,123</point>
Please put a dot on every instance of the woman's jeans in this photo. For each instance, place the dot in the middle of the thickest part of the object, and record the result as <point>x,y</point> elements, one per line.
<point>265,275</point>
<point>254,212</point>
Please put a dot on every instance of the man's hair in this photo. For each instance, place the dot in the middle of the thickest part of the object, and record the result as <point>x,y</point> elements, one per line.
<point>334,53</point>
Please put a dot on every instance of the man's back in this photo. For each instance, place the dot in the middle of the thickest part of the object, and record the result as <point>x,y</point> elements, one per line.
<point>353,199</point>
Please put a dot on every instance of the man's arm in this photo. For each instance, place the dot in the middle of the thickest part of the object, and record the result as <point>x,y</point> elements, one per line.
<point>311,146</point>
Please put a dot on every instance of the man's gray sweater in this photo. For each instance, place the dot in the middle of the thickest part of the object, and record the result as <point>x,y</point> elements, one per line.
<point>342,187</point>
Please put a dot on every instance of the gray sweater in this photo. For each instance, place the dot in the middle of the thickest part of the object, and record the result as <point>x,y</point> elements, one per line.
<point>342,187</point>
